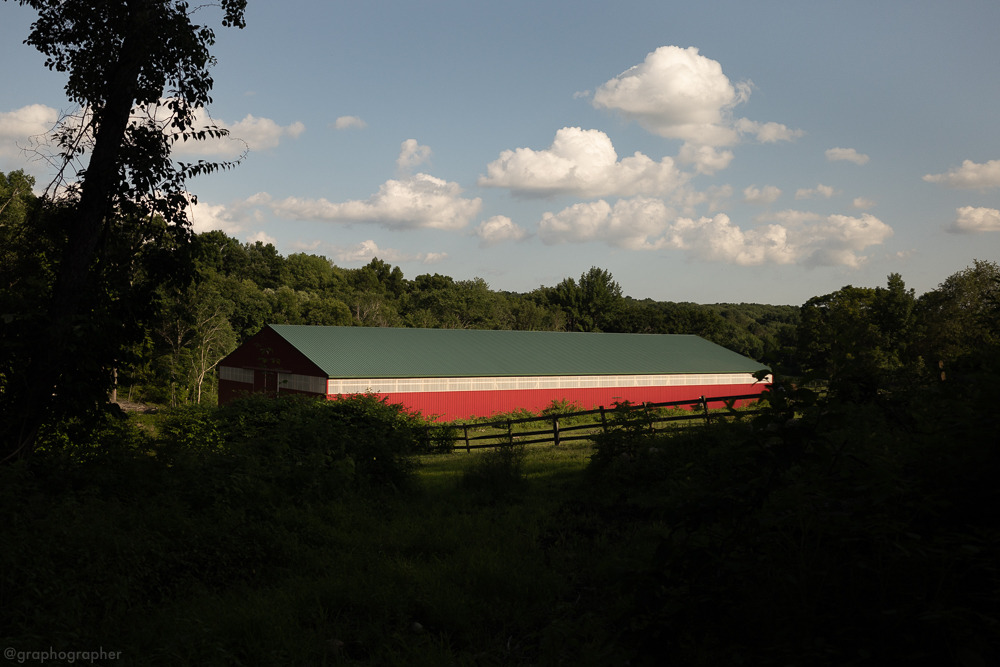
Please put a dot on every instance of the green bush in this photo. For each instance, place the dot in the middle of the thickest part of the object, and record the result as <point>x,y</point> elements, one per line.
<point>321,443</point>
<point>627,430</point>
<point>561,407</point>
<point>103,434</point>
<point>192,428</point>
<point>441,437</point>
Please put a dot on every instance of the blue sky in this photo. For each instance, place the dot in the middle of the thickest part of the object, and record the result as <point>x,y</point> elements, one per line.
<point>707,152</point>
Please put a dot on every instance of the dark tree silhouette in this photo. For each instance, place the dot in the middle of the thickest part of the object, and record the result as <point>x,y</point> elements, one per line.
<point>139,70</point>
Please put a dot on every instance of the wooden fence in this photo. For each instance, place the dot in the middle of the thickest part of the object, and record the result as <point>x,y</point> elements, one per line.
<point>565,427</point>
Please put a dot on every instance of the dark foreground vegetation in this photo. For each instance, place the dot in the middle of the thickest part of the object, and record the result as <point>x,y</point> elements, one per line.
<point>824,532</point>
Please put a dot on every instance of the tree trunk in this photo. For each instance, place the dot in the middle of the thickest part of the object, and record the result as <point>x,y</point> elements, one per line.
<point>51,357</point>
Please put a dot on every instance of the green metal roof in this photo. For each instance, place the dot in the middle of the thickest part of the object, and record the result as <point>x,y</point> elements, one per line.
<point>372,352</point>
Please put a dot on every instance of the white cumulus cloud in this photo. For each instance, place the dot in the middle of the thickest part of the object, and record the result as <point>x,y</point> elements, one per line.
<point>717,239</point>
<point>25,122</point>
<point>262,237</point>
<point>846,155</point>
<point>257,134</point>
<point>714,198</point>
<point>766,195</point>
<point>419,201</point>
<point>633,224</point>
<point>259,199</point>
<point>647,224</point>
<point>706,159</point>
<point>209,217</point>
<point>412,154</point>
<point>837,240</point>
<point>767,133</point>
<point>976,219</point>
<point>676,93</point>
<point>366,251</point>
<point>586,221</point>
<point>680,94</point>
<point>264,133</point>
<point>970,175</point>
<point>233,218</point>
<point>791,217</point>
<point>23,128</point>
<point>35,120</point>
<point>824,191</point>
<point>499,229</point>
<point>349,122</point>
<point>583,163</point>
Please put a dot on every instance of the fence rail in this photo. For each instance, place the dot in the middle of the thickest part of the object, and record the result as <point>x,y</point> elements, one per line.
<point>500,431</point>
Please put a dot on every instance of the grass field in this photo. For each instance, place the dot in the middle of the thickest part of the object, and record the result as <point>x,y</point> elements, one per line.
<point>439,575</point>
<point>829,540</point>
<point>446,572</point>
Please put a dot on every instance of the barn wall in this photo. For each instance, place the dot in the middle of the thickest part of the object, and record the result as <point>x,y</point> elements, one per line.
<point>467,404</point>
<point>230,390</point>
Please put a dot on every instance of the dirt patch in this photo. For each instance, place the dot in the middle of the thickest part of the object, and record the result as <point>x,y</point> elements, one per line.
<point>143,408</point>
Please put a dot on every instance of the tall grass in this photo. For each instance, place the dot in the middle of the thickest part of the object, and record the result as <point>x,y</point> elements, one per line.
<point>495,474</point>
<point>848,534</point>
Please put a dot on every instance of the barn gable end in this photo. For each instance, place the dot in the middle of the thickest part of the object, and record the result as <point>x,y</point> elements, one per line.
<point>267,363</point>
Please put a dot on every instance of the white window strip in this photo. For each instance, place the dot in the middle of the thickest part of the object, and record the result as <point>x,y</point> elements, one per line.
<point>405,385</point>
<point>308,383</point>
<point>231,374</point>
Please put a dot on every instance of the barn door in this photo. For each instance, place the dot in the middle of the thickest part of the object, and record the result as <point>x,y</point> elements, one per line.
<point>270,383</point>
<point>265,382</point>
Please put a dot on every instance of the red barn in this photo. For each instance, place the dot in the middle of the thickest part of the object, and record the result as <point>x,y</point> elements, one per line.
<point>462,373</point>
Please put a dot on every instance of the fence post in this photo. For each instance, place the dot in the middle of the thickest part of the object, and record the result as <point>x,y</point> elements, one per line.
<point>465,427</point>
<point>604,420</point>
<point>704,406</point>
<point>510,434</point>
<point>555,430</point>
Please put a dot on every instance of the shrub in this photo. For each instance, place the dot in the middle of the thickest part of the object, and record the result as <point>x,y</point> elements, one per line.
<point>441,438</point>
<point>379,436</point>
<point>626,431</point>
<point>316,445</point>
<point>105,433</point>
<point>192,428</point>
<point>561,406</point>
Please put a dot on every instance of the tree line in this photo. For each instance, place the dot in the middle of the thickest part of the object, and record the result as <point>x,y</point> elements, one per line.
<point>193,303</point>
<point>219,291</point>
